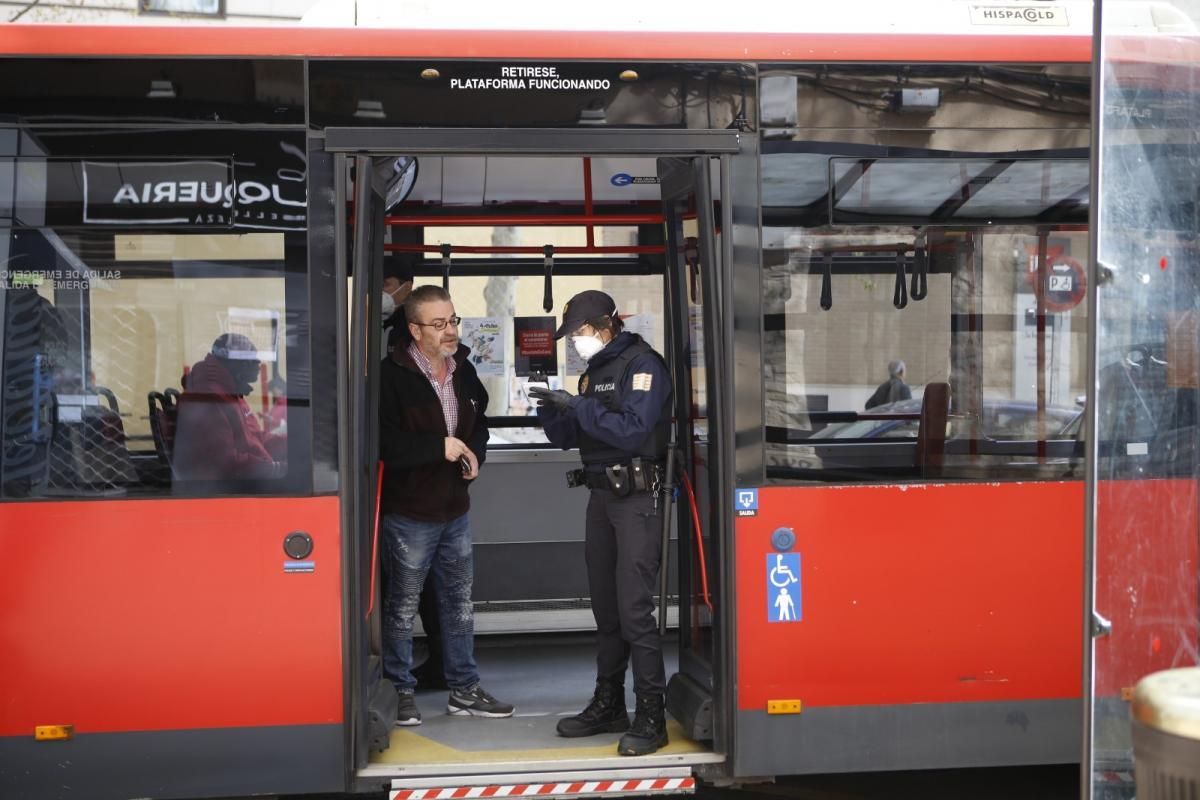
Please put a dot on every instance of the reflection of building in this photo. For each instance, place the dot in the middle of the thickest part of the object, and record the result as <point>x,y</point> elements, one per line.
<point>156,12</point>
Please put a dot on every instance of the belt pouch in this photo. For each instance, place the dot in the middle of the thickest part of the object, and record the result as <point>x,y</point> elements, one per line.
<point>641,477</point>
<point>619,480</point>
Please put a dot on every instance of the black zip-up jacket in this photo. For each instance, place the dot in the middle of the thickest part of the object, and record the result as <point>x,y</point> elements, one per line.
<point>418,481</point>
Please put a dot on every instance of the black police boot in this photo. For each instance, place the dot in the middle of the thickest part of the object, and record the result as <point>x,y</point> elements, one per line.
<point>649,729</point>
<point>605,714</point>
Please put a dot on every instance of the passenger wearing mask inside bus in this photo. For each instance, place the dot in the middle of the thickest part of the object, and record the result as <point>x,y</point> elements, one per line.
<point>893,389</point>
<point>217,435</point>
<point>619,420</point>
<point>395,292</point>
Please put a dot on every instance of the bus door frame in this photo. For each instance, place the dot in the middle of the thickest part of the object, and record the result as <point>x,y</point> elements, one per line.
<point>686,184</point>
<point>740,220</point>
<point>358,441</point>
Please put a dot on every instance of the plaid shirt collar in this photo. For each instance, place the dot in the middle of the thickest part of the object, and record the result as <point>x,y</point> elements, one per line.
<point>425,365</point>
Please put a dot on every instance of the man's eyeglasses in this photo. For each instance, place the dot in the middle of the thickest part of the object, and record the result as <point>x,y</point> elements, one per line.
<point>440,324</point>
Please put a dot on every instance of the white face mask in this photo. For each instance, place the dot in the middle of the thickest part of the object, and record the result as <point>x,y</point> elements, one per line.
<point>389,306</point>
<point>587,346</point>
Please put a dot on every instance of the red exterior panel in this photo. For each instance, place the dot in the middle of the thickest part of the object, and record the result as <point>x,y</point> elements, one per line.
<point>168,614</point>
<point>916,594</point>
<point>183,41</point>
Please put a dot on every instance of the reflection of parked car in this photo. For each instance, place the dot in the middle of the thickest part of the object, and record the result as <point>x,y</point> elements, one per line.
<point>1002,442</point>
<point>1002,420</point>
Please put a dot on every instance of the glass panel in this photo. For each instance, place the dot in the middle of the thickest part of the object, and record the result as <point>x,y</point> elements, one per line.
<point>146,363</point>
<point>945,254</point>
<point>955,308</point>
<point>1145,451</point>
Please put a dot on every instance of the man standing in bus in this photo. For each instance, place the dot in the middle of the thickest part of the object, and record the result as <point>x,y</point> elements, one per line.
<point>619,420</point>
<point>893,389</point>
<point>433,437</point>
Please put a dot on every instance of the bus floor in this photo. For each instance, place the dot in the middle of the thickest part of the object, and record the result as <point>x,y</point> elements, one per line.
<point>546,677</point>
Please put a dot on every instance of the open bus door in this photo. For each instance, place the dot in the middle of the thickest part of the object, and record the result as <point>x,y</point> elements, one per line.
<point>1142,608</point>
<point>445,755</point>
<point>373,709</point>
<point>694,287</point>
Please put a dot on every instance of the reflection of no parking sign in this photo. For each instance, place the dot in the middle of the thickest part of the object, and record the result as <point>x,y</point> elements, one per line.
<point>783,587</point>
<point>1066,284</point>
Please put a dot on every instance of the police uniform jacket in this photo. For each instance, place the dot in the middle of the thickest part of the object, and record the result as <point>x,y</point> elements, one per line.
<point>622,410</point>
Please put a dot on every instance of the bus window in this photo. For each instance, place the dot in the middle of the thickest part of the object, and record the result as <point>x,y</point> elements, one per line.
<point>904,257</point>
<point>139,361</point>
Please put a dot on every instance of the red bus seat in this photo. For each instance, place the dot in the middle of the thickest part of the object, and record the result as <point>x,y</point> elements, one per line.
<point>931,430</point>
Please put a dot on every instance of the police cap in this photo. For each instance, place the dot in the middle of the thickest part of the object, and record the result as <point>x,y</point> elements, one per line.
<point>582,307</point>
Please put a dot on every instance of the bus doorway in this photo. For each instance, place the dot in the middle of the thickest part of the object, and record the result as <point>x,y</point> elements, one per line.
<point>655,250</point>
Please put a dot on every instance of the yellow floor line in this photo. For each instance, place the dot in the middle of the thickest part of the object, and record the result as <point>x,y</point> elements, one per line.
<point>408,747</point>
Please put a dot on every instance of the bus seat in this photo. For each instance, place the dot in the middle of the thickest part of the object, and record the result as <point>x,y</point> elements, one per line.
<point>88,453</point>
<point>163,409</point>
<point>931,430</point>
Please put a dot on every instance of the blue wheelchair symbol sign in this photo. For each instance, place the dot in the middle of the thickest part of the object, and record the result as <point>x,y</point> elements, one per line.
<point>783,587</point>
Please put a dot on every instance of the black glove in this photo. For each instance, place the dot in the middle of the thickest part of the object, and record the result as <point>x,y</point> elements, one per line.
<point>557,398</point>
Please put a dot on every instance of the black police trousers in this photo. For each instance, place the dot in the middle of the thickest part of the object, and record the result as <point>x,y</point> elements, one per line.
<point>624,551</point>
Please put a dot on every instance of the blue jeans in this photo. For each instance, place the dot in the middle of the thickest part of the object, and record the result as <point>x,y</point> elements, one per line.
<point>413,550</point>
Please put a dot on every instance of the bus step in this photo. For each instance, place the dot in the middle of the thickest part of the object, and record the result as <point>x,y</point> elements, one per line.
<point>647,781</point>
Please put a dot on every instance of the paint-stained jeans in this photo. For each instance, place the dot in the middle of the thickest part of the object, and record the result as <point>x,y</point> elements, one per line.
<point>414,549</point>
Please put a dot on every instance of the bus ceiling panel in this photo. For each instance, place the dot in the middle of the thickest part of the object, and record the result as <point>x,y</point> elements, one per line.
<point>812,183</point>
<point>481,180</point>
<point>463,180</point>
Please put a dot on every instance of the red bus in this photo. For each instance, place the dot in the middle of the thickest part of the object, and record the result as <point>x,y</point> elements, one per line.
<point>782,214</point>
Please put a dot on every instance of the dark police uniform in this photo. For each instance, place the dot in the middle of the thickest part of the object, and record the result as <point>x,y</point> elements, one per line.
<point>620,421</point>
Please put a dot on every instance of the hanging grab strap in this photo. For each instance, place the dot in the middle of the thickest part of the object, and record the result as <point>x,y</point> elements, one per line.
<point>446,267</point>
<point>691,256</point>
<point>827,282</point>
<point>548,289</point>
<point>920,276</point>
<point>900,295</point>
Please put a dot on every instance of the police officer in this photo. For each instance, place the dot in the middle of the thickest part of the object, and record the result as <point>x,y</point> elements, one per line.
<point>619,420</point>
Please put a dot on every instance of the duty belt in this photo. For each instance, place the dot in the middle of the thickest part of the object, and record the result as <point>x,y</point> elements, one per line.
<point>622,479</point>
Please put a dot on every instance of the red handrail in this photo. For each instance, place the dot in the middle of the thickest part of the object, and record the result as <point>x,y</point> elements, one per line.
<point>687,484</point>
<point>375,542</point>
<point>587,200</point>
<point>633,249</point>
<point>489,220</point>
